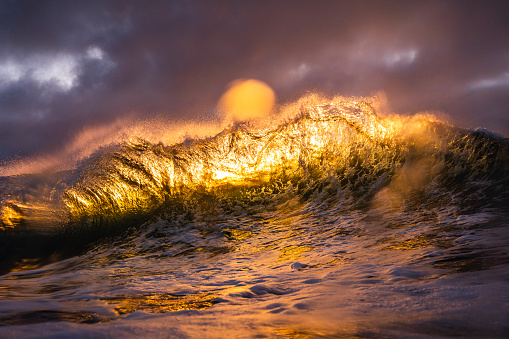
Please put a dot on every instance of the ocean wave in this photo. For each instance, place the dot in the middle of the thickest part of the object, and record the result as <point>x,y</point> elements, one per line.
<point>337,153</point>
<point>340,145</point>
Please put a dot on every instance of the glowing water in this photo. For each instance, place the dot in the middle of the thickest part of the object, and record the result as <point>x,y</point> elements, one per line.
<point>331,221</point>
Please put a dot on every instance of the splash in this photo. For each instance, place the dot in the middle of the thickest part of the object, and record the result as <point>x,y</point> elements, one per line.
<point>92,139</point>
<point>341,140</point>
<point>139,176</point>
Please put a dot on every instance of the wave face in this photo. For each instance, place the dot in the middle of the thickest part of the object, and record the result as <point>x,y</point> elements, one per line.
<point>337,150</point>
<point>138,177</point>
<point>332,169</point>
<point>341,147</point>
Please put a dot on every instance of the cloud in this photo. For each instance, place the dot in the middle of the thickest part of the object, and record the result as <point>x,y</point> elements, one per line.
<point>493,82</point>
<point>60,70</point>
<point>400,58</point>
<point>94,52</point>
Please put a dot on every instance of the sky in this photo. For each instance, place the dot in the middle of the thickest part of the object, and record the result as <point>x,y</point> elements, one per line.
<point>68,65</point>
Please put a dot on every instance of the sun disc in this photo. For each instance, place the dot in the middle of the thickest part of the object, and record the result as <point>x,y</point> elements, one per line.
<point>247,99</point>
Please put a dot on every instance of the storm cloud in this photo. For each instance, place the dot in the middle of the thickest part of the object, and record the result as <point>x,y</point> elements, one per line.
<point>67,65</point>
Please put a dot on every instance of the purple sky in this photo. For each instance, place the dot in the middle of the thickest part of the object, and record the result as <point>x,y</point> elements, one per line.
<point>65,65</point>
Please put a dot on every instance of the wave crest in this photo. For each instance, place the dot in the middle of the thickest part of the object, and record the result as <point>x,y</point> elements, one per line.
<point>341,144</point>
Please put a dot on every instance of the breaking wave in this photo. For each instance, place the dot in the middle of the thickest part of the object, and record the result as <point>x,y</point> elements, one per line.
<point>338,154</point>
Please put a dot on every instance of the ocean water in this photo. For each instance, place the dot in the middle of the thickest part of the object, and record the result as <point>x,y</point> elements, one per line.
<point>336,221</point>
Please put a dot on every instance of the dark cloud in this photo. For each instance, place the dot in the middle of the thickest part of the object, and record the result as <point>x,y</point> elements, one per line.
<point>65,65</point>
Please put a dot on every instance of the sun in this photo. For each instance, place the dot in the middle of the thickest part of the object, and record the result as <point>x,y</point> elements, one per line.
<point>247,99</point>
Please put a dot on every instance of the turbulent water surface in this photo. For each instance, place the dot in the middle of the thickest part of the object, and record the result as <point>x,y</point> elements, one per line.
<point>336,222</point>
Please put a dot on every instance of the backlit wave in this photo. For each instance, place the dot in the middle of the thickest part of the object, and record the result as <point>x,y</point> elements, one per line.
<point>338,149</point>
<point>339,144</point>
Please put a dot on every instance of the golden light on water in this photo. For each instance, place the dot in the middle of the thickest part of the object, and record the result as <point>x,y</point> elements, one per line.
<point>136,177</point>
<point>247,99</point>
<point>160,302</point>
<point>11,216</point>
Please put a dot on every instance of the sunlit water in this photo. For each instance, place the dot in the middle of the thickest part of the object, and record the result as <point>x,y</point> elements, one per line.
<point>335,222</point>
